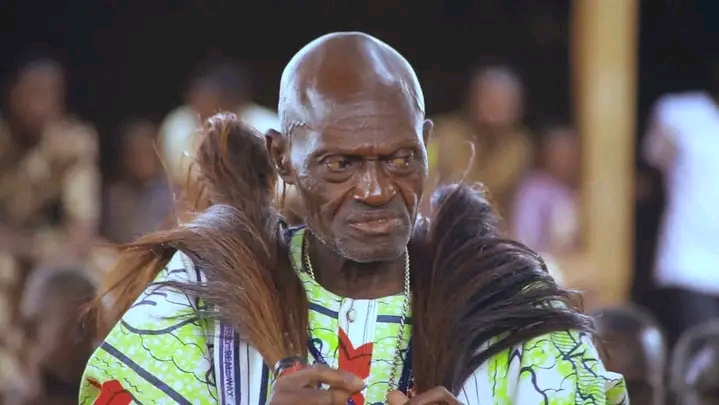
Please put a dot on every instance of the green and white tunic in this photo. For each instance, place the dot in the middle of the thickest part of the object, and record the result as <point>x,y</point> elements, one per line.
<point>155,355</point>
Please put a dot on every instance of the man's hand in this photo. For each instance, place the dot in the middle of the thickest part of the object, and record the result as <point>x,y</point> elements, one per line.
<point>437,395</point>
<point>299,388</point>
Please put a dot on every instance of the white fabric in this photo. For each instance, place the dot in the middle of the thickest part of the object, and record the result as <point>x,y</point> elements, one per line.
<point>179,135</point>
<point>263,119</point>
<point>688,249</point>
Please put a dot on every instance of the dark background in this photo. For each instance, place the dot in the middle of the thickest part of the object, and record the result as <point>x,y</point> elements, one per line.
<point>129,57</point>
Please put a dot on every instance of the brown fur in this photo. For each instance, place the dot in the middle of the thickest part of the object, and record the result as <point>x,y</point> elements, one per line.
<point>237,247</point>
<point>469,284</point>
<point>472,286</point>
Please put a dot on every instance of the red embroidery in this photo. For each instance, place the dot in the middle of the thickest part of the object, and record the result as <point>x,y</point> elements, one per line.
<point>111,393</point>
<point>354,360</point>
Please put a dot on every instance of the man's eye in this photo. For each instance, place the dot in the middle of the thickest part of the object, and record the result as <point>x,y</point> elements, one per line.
<point>338,164</point>
<point>401,160</point>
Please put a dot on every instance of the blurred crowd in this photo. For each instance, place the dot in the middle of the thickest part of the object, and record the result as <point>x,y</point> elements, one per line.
<point>59,218</point>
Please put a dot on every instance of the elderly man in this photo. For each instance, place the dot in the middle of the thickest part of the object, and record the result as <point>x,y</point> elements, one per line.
<point>389,306</point>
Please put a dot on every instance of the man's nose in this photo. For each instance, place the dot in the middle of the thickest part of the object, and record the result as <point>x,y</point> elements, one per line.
<point>374,186</point>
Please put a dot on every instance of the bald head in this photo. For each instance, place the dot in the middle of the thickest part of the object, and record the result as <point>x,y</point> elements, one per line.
<point>344,67</point>
<point>353,144</point>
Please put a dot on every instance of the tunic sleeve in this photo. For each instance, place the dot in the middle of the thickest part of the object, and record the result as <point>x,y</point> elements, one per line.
<point>560,368</point>
<point>158,353</point>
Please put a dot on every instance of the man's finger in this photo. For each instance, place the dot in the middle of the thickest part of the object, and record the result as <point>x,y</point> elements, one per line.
<point>437,395</point>
<point>397,398</point>
<point>309,396</point>
<point>311,376</point>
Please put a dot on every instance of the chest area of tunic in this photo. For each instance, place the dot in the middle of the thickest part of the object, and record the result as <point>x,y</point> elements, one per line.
<point>364,337</point>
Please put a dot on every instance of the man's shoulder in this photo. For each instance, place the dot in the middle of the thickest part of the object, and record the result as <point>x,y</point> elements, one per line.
<point>180,269</point>
<point>163,297</point>
<point>565,364</point>
<point>160,335</point>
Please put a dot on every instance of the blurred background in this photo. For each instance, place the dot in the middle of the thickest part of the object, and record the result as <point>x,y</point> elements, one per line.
<point>595,125</point>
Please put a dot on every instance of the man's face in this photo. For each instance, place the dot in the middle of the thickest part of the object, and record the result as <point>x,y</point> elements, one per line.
<point>359,169</point>
<point>498,102</point>
<point>38,97</point>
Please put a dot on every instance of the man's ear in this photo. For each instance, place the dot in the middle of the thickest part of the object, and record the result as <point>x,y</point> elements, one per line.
<point>427,128</point>
<point>278,150</point>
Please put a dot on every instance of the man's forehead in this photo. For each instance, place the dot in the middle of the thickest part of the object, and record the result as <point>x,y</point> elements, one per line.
<point>373,139</point>
<point>380,107</point>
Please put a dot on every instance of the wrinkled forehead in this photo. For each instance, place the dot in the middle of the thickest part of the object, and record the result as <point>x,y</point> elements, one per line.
<point>379,124</point>
<point>318,110</point>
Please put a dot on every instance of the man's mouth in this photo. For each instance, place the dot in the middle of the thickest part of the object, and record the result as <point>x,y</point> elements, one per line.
<point>377,226</point>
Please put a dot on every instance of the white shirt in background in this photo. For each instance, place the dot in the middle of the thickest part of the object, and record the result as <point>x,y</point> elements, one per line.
<point>683,142</point>
<point>179,135</point>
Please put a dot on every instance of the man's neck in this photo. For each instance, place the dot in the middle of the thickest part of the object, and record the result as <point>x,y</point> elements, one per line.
<point>355,280</point>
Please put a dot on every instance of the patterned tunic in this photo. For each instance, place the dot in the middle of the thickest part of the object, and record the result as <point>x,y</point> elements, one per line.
<point>154,357</point>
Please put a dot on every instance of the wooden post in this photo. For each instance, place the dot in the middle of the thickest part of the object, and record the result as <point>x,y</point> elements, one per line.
<point>604,69</point>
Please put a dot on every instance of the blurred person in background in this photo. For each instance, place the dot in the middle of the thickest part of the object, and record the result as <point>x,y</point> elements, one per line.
<point>545,213</point>
<point>56,345</point>
<point>694,372</point>
<point>682,143</point>
<point>224,87</point>
<point>141,200</point>
<point>634,346</point>
<point>49,185</point>
<point>492,122</point>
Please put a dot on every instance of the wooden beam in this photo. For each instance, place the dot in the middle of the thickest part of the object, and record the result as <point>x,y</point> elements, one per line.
<point>604,69</point>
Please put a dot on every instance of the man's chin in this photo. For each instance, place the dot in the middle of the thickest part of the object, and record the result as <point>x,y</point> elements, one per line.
<point>375,250</point>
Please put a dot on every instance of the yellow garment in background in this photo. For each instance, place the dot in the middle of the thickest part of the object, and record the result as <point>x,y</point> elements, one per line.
<point>499,168</point>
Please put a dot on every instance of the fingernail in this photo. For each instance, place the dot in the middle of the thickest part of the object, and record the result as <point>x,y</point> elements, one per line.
<point>354,380</point>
